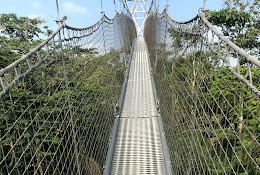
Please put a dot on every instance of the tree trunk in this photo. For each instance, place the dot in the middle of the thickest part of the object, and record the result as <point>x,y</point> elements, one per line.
<point>40,170</point>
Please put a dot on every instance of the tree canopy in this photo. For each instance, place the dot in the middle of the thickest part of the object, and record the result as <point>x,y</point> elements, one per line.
<point>239,20</point>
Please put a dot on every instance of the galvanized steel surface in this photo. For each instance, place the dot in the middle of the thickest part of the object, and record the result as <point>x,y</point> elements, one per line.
<point>138,147</point>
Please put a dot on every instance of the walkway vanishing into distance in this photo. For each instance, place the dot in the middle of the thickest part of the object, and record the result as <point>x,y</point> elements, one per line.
<point>167,97</point>
<point>139,148</point>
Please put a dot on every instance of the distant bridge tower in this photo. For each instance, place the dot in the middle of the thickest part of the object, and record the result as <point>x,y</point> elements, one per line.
<point>138,10</point>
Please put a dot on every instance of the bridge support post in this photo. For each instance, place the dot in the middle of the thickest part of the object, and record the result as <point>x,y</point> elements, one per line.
<point>69,106</point>
<point>196,97</point>
<point>68,95</point>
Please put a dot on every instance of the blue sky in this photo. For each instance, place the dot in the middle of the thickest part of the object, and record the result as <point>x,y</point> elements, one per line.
<point>83,13</point>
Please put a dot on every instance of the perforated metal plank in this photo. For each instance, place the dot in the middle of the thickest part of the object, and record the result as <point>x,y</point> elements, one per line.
<point>138,147</point>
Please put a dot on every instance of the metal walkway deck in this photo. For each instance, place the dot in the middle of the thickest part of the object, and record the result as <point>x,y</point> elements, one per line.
<point>138,148</point>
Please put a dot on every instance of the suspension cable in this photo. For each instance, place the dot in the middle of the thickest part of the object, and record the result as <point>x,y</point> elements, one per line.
<point>115,5</point>
<point>101,2</point>
<point>58,12</point>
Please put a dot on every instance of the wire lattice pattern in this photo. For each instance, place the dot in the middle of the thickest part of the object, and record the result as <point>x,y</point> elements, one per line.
<point>58,102</point>
<point>208,90</point>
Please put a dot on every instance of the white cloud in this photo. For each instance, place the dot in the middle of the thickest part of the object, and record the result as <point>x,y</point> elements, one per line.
<point>33,16</point>
<point>36,4</point>
<point>74,8</point>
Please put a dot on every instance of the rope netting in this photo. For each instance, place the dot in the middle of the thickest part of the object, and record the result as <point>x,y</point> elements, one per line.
<point>58,102</point>
<point>208,90</point>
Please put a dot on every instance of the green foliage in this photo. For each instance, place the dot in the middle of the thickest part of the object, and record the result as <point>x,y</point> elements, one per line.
<point>229,18</point>
<point>225,138</point>
<point>23,28</point>
<point>39,114</point>
<point>239,21</point>
<point>93,95</point>
<point>20,35</point>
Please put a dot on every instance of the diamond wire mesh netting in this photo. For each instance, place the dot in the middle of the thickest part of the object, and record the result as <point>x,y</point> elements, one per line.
<point>208,91</point>
<point>58,102</point>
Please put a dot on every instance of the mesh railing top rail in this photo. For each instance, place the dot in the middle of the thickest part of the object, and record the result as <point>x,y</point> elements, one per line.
<point>208,89</point>
<point>58,102</point>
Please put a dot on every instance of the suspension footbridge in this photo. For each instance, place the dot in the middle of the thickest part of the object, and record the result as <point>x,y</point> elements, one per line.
<point>158,96</point>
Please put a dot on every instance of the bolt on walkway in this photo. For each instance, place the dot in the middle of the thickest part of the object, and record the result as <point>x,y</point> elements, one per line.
<point>139,148</point>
